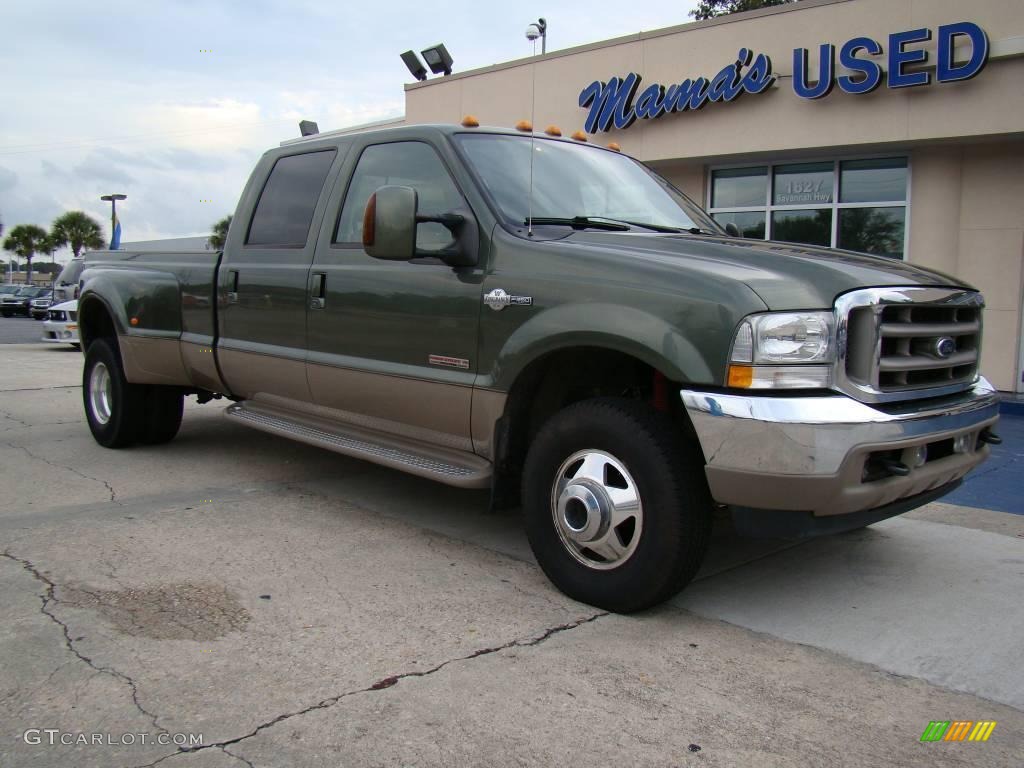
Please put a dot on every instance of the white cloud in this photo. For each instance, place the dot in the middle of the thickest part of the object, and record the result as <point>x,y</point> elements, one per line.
<point>146,111</point>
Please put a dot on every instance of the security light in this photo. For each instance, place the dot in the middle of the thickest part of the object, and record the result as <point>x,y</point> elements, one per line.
<point>412,61</point>
<point>438,59</point>
<point>539,28</point>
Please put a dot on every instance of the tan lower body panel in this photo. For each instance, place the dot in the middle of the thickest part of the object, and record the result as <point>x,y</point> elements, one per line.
<point>251,375</point>
<point>152,360</point>
<point>488,406</point>
<point>201,366</point>
<point>427,411</point>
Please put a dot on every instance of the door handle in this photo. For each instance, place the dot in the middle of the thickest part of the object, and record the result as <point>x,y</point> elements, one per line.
<point>233,293</point>
<point>317,291</point>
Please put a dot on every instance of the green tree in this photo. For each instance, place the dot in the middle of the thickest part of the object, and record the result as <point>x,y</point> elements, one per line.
<point>219,236</point>
<point>709,9</point>
<point>77,230</point>
<point>25,241</point>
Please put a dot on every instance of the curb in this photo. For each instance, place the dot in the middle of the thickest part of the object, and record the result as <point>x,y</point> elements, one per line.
<point>1012,404</point>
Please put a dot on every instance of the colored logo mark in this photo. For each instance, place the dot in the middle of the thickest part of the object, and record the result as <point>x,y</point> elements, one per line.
<point>958,730</point>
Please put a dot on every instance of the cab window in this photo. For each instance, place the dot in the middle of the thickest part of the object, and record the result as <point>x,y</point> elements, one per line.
<point>288,200</point>
<point>409,164</point>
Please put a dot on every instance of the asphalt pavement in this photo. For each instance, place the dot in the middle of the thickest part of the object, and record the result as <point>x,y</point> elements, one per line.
<point>287,606</point>
<point>20,330</point>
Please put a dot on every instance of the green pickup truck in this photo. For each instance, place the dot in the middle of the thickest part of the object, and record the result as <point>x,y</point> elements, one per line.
<point>553,321</point>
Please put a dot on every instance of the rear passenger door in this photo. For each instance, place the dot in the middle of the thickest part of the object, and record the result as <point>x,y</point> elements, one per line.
<point>262,295</point>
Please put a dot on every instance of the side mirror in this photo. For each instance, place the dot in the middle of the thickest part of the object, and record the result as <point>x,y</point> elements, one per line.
<point>389,224</point>
<point>389,229</point>
<point>732,230</point>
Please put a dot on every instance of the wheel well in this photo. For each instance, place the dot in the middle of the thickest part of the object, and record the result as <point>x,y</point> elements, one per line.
<point>562,378</point>
<point>94,322</point>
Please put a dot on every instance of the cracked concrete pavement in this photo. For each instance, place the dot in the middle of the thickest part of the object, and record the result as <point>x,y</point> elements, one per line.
<point>299,608</point>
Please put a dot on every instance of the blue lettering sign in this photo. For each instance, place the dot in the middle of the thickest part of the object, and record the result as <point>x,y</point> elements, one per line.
<point>826,68</point>
<point>611,103</point>
<point>945,70</point>
<point>898,57</point>
<point>871,73</point>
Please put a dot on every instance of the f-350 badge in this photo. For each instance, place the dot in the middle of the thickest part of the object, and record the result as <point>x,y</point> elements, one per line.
<point>498,299</point>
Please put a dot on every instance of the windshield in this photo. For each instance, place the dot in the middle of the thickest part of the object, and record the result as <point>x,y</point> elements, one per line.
<point>69,275</point>
<point>576,180</point>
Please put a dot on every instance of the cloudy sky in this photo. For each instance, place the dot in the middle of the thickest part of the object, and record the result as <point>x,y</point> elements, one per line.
<point>122,96</point>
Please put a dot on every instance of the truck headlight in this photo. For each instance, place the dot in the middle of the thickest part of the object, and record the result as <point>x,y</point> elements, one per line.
<point>783,350</point>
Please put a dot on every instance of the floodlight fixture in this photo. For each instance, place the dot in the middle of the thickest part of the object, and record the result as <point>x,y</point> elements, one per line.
<point>438,59</point>
<point>412,61</point>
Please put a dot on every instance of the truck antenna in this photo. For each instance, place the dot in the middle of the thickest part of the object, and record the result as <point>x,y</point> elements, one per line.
<point>533,114</point>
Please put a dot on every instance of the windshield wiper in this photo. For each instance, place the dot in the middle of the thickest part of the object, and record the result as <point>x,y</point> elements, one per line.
<point>645,225</point>
<point>580,222</point>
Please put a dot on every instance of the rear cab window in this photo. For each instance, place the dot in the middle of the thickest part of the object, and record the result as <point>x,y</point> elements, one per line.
<point>285,209</point>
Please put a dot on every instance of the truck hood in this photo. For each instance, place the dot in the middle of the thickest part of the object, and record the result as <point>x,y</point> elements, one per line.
<point>783,275</point>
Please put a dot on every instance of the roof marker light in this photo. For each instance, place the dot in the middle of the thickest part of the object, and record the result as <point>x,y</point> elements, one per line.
<point>470,122</point>
<point>524,125</point>
<point>553,130</point>
<point>579,136</point>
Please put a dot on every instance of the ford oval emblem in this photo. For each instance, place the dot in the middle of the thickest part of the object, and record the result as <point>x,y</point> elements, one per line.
<point>944,347</point>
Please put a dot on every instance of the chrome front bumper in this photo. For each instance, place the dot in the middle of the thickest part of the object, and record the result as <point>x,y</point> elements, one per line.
<point>810,453</point>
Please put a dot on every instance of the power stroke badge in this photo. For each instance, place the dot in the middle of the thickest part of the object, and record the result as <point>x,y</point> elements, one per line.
<point>498,299</point>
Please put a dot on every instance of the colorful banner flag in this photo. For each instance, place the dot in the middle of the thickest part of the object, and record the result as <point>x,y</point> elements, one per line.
<point>115,238</point>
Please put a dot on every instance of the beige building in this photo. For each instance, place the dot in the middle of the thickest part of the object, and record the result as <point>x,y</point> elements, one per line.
<point>928,166</point>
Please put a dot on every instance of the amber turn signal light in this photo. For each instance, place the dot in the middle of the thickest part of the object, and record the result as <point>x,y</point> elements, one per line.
<point>369,219</point>
<point>741,376</point>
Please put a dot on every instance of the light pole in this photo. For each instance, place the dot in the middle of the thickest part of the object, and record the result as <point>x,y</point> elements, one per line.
<point>115,227</point>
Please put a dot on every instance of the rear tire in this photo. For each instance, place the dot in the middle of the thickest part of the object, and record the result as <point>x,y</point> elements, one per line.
<point>114,408</point>
<point>616,475</point>
<point>164,406</point>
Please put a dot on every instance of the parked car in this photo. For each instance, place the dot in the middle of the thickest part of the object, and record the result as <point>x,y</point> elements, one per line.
<point>65,287</point>
<point>61,324</point>
<point>9,289</point>
<point>611,357</point>
<point>40,305</point>
<point>19,302</point>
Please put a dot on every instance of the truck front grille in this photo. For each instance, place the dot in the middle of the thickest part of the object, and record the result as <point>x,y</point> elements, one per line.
<point>909,342</point>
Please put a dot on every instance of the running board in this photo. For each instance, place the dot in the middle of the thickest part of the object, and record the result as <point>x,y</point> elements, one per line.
<point>464,470</point>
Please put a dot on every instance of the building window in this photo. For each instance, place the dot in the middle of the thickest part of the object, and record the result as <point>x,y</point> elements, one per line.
<point>860,205</point>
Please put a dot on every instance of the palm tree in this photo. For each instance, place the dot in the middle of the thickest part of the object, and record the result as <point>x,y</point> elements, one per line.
<point>26,240</point>
<point>220,233</point>
<point>77,230</point>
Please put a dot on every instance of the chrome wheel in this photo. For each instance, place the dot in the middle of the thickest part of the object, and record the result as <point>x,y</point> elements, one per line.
<point>100,393</point>
<point>597,511</point>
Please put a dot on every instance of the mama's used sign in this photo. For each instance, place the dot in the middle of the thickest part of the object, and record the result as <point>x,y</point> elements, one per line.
<point>616,103</point>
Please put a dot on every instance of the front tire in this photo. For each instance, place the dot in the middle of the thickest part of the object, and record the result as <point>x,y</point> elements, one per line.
<point>114,408</point>
<point>616,506</point>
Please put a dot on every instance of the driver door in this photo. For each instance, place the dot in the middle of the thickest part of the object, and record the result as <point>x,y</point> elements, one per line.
<point>392,345</point>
